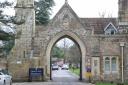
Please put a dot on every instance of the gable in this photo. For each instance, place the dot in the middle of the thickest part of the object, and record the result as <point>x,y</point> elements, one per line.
<point>66,17</point>
<point>110,29</point>
<point>110,26</point>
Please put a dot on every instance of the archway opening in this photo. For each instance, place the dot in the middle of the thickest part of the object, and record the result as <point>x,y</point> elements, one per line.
<point>65,60</point>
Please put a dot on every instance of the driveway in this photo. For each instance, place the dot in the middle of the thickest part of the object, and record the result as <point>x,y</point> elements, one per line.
<point>59,77</point>
<point>64,76</point>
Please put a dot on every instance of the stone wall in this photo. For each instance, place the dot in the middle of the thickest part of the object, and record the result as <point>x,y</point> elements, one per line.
<point>19,58</point>
<point>33,44</point>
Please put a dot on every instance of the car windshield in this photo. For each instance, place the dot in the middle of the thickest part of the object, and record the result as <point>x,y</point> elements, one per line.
<point>0,73</point>
<point>4,72</point>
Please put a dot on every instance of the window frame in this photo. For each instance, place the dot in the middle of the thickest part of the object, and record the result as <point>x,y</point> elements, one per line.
<point>114,63</point>
<point>110,63</point>
<point>110,33</point>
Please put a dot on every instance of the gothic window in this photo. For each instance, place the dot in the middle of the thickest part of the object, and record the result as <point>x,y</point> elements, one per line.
<point>107,64</point>
<point>113,64</point>
<point>110,29</point>
<point>110,64</point>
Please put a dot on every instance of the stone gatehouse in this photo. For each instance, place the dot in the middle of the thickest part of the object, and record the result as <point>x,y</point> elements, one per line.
<point>102,42</point>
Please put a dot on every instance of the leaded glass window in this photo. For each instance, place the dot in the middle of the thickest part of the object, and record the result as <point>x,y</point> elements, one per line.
<point>107,64</point>
<point>114,67</point>
<point>110,64</point>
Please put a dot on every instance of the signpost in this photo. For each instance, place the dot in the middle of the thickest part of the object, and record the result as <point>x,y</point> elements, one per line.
<point>35,73</point>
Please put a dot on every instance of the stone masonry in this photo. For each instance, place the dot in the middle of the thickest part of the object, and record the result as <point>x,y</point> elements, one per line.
<point>34,43</point>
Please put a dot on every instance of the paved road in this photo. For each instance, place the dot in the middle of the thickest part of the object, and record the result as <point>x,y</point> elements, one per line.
<point>59,77</point>
<point>52,83</point>
<point>64,76</point>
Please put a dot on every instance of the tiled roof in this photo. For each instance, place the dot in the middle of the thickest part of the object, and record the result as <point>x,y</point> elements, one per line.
<point>98,24</point>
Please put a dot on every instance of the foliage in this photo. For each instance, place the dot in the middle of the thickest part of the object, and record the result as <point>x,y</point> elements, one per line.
<point>43,11</point>
<point>75,55</point>
<point>8,45</point>
<point>126,83</point>
<point>75,70</point>
<point>5,4</point>
<point>5,36</point>
<point>3,17</point>
<point>8,39</point>
<point>105,83</point>
<point>57,52</point>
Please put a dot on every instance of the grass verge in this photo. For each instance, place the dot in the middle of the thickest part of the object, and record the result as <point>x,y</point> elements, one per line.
<point>108,83</point>
<point>105,83</point>
<point>75,70</point>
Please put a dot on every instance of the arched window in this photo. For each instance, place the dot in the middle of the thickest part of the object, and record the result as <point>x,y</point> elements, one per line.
<point>107,64</point>
<point>114,68</point>
<point>110,64</point>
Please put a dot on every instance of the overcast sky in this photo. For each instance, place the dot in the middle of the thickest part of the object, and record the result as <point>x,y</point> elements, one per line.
<point>87,8</point>
<point>65,42</point>
<point>90,8</point>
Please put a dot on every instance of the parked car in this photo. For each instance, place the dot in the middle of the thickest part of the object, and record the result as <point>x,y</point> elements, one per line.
<point>5,78</point>
<point>65,67</point>
<point>55,67</point>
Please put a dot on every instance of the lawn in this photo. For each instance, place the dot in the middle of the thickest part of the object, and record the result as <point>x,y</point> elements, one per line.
<point>105,83</point>
<point>75,70</point>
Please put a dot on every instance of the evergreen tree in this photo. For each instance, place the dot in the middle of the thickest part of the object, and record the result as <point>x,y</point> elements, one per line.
<point>7,38</point>
<point>8,45</point>
<point>43,11</point>
<point>6,19</point>
<point>3,17</point>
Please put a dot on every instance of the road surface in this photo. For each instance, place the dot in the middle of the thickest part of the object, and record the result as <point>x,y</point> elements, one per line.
<point>59,77</point>
<point>64,76</point>
<point>52,83</point>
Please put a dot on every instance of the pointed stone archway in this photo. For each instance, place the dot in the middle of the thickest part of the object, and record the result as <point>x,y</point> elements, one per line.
<point>76,39</point>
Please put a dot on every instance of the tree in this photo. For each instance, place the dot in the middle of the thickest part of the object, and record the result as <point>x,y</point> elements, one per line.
<point>74,54</point>
<point>4,18</point>
<point>8,45</point>
<point>7,38</point>
<point>43,11</point>
<point>57,52</point>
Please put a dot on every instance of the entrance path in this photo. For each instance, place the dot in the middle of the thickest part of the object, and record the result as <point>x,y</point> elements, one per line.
<point>52,83</point>
<point>64,76</point>
<point>59,77</point>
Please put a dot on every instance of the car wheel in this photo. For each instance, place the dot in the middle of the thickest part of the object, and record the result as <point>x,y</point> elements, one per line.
<point>10,82</point>
<point>4,82</point>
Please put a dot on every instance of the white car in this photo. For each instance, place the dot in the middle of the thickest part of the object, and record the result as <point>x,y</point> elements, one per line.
<point>65,66</point>
<point>55,67</point>
<point>5,79</point>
